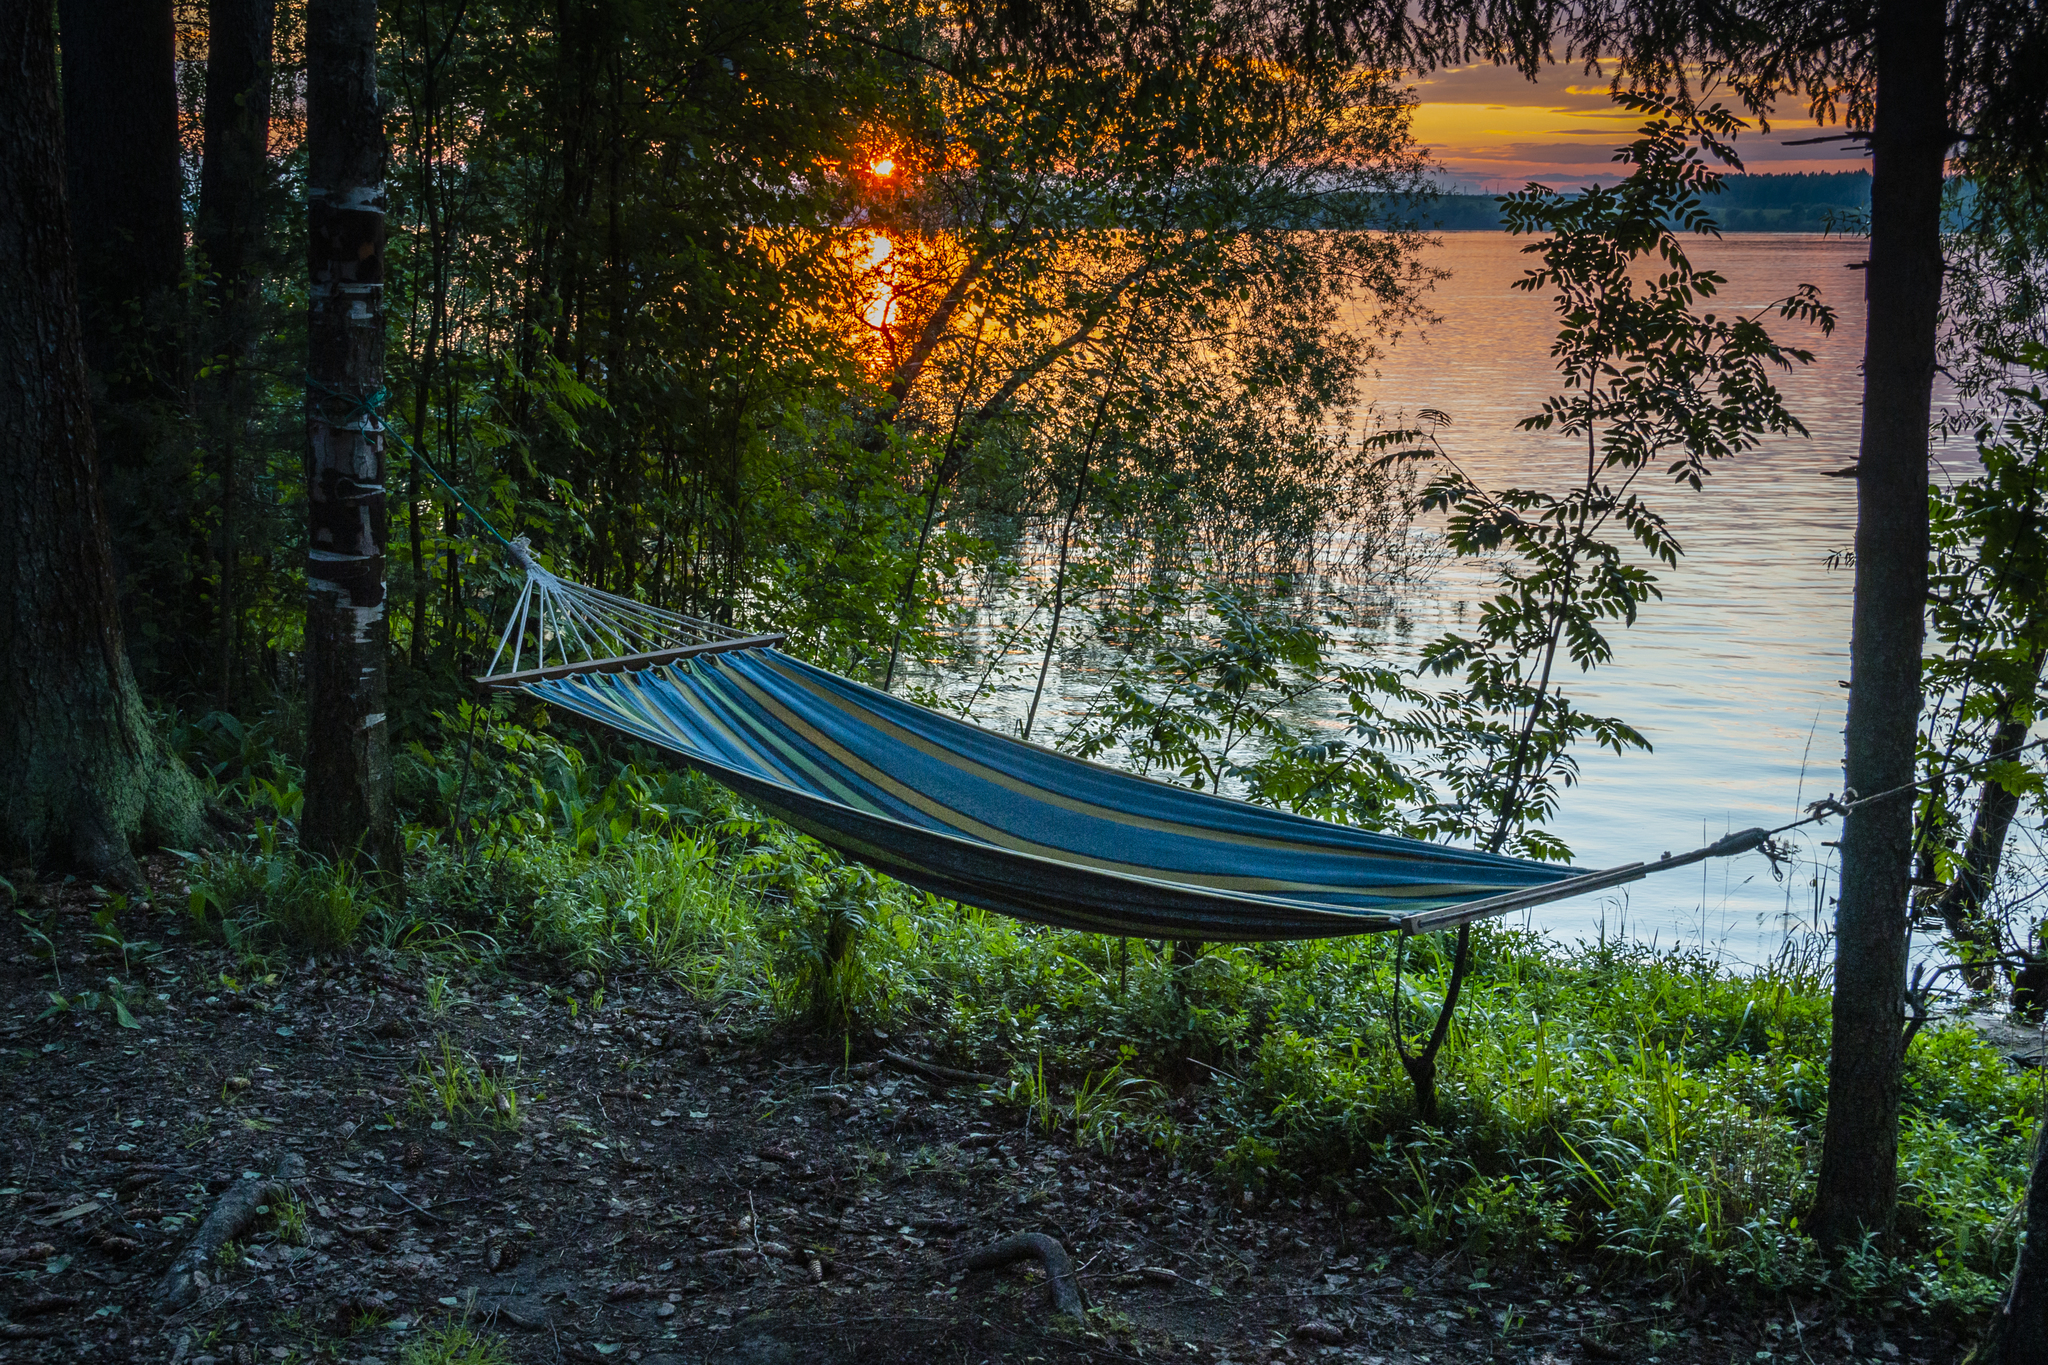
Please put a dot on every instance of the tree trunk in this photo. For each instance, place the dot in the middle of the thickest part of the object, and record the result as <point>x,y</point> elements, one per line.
<point>1858,1181</point>
<point>2019,1332</point>
<point>236,168</point>
<point>348,754</point>
<point>233,177</point>
<point>1059,604</point>
<point>1421,1066</point>
<point>86,776</point>
<point>124,183</point>
<point>121,149</point>
<point>1962,905</point>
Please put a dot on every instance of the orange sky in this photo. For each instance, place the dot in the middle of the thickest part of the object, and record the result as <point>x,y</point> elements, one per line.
<point>1493,131</point>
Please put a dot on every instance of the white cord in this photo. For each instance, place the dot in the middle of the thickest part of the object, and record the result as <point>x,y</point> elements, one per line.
<point>568,623</point>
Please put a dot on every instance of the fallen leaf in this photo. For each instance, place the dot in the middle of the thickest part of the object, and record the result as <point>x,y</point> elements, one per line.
<point>90,1206</point>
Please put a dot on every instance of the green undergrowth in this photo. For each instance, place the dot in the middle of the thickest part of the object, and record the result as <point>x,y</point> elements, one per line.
<point>1652,1113</point>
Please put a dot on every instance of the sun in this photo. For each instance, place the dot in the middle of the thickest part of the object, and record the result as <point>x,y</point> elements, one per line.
<point>883,168</point>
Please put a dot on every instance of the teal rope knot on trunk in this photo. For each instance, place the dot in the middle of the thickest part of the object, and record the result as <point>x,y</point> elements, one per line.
<point>370,407</point>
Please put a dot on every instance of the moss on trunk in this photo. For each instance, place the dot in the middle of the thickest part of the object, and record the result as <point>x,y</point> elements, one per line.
<point>87,778</point>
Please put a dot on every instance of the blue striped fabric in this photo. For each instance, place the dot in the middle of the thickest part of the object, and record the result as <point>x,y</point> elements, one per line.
<point>995,822</point>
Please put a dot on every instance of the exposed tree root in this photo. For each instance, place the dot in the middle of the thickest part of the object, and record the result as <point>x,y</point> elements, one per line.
<point>232,1214</point>
<point>938,1075</point>
<point>1059,1267</point>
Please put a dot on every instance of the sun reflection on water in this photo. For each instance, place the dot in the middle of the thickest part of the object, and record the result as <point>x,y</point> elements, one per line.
<point>882,309</point>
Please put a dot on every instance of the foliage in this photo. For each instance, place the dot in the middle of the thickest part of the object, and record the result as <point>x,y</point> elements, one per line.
<point>1231,700</point>
<point>302,903</point>
<point>1603,1102</point>
<point>654,305</point>
<point>452,1086</point>
<point>114,1000</point>
<point>1650,381</point>
<point>1994,301</point>
<point>455,1343</point>
<point>1988,618</point>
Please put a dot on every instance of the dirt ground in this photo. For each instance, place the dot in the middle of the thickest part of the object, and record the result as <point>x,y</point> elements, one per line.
<point>667,1187</point>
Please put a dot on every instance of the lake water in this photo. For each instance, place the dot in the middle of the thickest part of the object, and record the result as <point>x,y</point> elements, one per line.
<point>1734,677</point>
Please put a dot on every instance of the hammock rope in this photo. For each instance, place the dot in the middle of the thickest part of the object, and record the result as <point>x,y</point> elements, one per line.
<point>564,624</point>
<point>582,623</point>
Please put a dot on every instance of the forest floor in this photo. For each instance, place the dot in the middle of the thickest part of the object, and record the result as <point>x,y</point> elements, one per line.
<point>670,1188</point>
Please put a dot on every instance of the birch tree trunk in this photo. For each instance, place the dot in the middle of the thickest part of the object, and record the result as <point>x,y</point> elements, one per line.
<point>1858,1181</point>
<point>348,761</point>
<point>86,776</point>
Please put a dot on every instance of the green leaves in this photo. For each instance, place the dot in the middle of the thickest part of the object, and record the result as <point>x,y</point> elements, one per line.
<point>1649,380</point>
<point>1988,616</point>
<point>113,1000</point>
<point>1229,705</point>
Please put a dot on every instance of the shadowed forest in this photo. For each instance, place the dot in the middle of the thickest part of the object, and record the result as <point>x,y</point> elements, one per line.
<point>396,382</point>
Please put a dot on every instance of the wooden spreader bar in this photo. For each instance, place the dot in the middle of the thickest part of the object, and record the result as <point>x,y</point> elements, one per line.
<point>628,663</point>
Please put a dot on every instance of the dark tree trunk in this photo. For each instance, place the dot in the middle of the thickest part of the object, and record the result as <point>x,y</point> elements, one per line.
<point>124,183</point>
<point>1962,905</point>
<point>348,753</point>
<point>1421,1066</point>
<point>235,173</point>
<point>233,181</point>
<point>121,148</point>
<point>1858,1182</point>
<point>86,777</point>
<point>2019,1331</point>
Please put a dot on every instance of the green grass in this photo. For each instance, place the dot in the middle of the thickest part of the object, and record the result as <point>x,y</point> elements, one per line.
<point>263,896</point>
<point>453,1086</point>
<point>455,1344</point>
<point>1643,1112</point>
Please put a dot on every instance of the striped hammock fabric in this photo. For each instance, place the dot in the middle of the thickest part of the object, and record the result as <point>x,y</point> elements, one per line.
<point>998,823</point>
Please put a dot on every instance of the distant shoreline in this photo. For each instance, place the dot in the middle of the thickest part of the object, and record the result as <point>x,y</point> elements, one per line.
<point>1725,232</point>
<point>1804,203</point>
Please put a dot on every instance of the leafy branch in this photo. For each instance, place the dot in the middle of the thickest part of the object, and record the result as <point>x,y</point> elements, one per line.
<point>1649,380</point>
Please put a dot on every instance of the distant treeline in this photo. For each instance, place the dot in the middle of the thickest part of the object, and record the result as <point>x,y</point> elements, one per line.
<point>1803,201</point>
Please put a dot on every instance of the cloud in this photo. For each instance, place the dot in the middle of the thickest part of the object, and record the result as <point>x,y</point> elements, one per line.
<point>1562,154</point>
<point>1501,85</point>
<point>1490,127</point>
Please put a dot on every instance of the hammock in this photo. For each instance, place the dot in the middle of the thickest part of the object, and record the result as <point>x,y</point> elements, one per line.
<point>986,819</point>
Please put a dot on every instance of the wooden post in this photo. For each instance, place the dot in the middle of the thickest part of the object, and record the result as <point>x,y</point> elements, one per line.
<point>348,760</point>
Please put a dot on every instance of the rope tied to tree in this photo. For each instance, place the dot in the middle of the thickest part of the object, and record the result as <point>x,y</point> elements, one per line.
<point>369,408</point>
<point>557,618</point>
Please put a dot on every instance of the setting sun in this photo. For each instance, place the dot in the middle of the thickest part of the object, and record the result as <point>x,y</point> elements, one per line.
<point>884,168</point>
